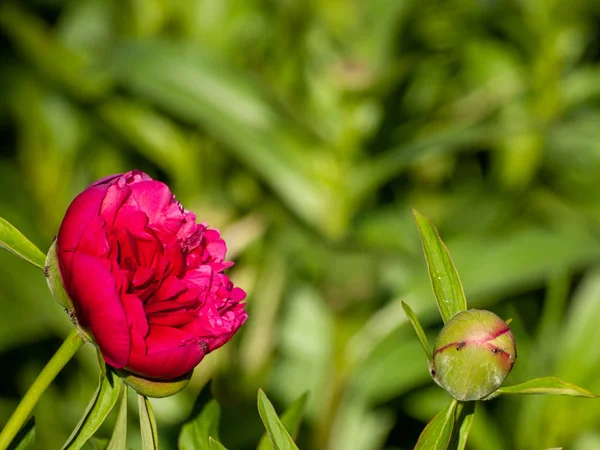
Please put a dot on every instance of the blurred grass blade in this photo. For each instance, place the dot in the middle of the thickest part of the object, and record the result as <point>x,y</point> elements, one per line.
<point>215,445</point>
<point>147,424</point>
<point>438,433</point>
<point>447,288</point>
<point>195,433</point>
<point>280,438</point>
<point>548,386</point>
<point>291,419</point>
<point>13,240</point>
<point>102,403</point>
<point>29,34</point>
<point>414,320</point>
<point>465,413</point>
<point>118,441</point>
<point>196,87</point>
<point>25,438</point>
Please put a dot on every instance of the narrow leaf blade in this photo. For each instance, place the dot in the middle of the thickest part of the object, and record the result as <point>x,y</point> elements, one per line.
<point>195,433</point>
<point>15,242</point>
<point>102,403</point>
<point>280,438</point>
<point>548,386</point>
<point>291,419</point>
<point>118,441</point>
<point>447,288</point>
<point>147,424</point>
<point>465,413</point>
<point>414,320</point>
<point>25,438</point>
<point>215,445</point>
<point>438,433</point>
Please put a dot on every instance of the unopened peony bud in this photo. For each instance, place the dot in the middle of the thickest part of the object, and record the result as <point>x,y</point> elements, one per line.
<point>473,354</point>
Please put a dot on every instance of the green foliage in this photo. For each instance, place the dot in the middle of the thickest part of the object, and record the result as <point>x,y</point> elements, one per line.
<point>25,439</point>
<point>195,434</point>
<point>304,130</point>
<point>437,435</point>
<point>147,424</point>
<point>100,406</point>
<point>280,437</point>
<point>291,419</point>
<point>447,289</point>
<point>118,441</point>
<point>547,385</point>
<point>13,240</point>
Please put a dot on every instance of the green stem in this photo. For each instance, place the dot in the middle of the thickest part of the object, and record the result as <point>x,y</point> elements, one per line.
<point>66,351</point>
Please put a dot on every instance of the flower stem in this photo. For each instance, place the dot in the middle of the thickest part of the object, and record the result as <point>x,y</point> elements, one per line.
<point>66,351</point>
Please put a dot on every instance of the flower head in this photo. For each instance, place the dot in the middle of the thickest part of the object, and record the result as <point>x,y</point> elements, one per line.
<point>145,280</point>
<point>474,353</point>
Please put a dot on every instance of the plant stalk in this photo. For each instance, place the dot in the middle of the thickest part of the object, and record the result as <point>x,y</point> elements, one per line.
<point>62,356</point>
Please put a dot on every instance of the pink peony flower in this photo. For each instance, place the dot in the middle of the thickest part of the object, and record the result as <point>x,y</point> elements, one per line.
<point>146,281</point>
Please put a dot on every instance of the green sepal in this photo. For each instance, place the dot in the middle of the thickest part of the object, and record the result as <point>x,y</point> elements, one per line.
<point>154,388</point>
<point>55,281</point>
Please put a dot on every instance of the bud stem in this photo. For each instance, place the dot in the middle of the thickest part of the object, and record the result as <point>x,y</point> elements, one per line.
<point>62,356</point>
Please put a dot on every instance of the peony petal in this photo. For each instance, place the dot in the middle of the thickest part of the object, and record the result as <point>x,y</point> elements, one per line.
<point>80,213</point>
<point>113,200</point>
<point>171,353</point>
<point>99,308</point>
<point>136,318</point>
<point>165,215</point>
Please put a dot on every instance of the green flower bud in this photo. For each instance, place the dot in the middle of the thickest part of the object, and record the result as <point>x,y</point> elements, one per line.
<point>473,354</point>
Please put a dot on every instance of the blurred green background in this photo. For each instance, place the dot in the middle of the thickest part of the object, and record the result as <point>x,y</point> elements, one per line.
<point>304,130</point>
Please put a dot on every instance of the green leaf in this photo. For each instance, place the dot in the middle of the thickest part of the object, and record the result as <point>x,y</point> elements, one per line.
<point>291,419</point>
<point>414,320</point>
<point>465,413</point>
<point>25,437</point>
<point>438,433</point>
<point>147,424</point>
<point>118,441</point>
<point>102,403</point>
<point>447,288</point>
<point>547,385</point>
<point>195,433</point>
<point>215,445</point>
<point>13,240</point>
<point>280,438</point>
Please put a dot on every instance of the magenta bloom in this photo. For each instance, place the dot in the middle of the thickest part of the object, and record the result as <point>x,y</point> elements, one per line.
<point>145,279</point>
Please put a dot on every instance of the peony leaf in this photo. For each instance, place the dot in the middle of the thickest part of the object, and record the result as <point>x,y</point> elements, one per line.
<point>147,424</point>
<point>438,433</point>
<point>546,385</point>
<point>465,412</point>
<point>291,419</point>
<point>280,438</point>
<point>118,441</point>
<point>195,433</point>
<point>414,320</point>
<point>13,240</point>
<point>447,288</point>
<point>25,438</point>
<point>102,403</point>
<point>215,445</point>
